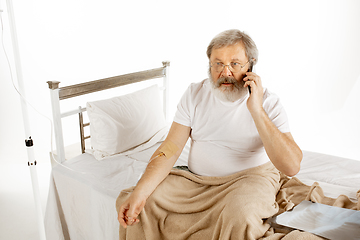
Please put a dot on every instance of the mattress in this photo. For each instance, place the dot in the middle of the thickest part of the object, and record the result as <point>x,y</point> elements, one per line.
<point>83,190</point>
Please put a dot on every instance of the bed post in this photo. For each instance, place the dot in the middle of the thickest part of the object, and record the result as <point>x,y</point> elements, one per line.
<point>55,103</point>
<point>166,89</point>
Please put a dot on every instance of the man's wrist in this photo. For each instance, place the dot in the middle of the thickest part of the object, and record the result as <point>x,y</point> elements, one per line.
<point>142,192</point>
<point>258,112</point>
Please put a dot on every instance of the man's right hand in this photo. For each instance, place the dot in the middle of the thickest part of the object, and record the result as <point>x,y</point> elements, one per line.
<point>130,209</point>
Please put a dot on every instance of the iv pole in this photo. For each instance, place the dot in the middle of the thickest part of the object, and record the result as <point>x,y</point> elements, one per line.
<point>29,141</point>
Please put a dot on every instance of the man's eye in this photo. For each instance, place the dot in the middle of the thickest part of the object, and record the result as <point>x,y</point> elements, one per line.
<point>235,64</point>
<point>218,64</point>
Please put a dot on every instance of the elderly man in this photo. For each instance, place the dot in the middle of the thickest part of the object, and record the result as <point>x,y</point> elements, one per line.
<point>238,130</point>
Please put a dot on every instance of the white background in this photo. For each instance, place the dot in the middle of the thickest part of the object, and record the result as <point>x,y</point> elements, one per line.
<point>309,56</point>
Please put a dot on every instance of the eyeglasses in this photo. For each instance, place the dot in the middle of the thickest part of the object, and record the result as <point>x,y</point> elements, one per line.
<point>233,66</point>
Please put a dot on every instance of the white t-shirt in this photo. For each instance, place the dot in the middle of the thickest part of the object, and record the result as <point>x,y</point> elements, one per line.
<point>224,138</point>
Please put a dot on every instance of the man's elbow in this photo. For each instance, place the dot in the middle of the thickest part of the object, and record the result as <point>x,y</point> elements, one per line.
<point>295,166</point>
<point>292,172</point>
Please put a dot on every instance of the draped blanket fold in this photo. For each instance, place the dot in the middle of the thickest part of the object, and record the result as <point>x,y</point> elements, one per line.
<point>238,206</point>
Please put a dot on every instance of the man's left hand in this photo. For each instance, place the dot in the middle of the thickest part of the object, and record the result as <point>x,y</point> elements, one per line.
<point>255,100</point>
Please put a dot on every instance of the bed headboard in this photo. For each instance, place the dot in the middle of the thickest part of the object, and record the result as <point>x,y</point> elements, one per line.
<point>60,93</point>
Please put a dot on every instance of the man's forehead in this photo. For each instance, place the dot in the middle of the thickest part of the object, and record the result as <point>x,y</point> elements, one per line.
<point>234,52</point>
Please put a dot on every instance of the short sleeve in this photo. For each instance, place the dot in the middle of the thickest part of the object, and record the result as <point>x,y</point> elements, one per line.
<point>183,112</point>
<point>276,111</point>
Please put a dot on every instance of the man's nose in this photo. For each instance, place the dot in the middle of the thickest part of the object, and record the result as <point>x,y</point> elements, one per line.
<point>226,72</point>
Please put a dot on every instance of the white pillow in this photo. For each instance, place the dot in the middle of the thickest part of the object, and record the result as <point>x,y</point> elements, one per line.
<point>122,123</point>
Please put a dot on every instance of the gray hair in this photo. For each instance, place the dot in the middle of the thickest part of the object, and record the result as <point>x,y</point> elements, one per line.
<point>231,37</point>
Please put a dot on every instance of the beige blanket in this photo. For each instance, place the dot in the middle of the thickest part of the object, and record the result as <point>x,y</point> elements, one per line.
<point>188,206</point>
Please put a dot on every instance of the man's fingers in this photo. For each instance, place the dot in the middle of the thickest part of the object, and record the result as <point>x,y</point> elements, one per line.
<point>123,223</point>
<point>131,221</point>
<point>251,76</point>
<point>249,83</point>
<point>122,215</point>
<point>134,222</point>
<point>131,216</point>
<point>129,212</point>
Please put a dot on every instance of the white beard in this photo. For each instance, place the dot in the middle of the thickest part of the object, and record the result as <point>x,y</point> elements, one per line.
<point>228,93</point>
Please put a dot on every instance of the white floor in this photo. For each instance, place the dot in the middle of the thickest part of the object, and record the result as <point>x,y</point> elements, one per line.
<point>17,207</point>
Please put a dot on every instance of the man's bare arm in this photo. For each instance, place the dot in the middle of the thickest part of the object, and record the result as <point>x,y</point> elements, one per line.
<point>281,148</point>
<point>155,173</point>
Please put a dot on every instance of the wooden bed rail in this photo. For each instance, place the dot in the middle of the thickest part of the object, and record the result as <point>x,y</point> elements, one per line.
<point>107,83</point>
<point>60,93</point>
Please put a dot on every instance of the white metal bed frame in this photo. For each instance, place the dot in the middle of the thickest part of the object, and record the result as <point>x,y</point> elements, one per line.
<point>71,91</point>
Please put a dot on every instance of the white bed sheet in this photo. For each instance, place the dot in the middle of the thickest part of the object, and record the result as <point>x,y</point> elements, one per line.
<point>335,175</point>
<point>87,192</point>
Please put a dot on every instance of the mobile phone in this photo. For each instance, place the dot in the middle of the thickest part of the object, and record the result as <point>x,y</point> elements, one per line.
<point>250,70</point>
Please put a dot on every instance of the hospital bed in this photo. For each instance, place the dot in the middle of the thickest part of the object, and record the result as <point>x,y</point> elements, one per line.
<point>87,177</point>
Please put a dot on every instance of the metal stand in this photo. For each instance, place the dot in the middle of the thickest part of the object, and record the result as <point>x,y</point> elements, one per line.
<point>28,142</point>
